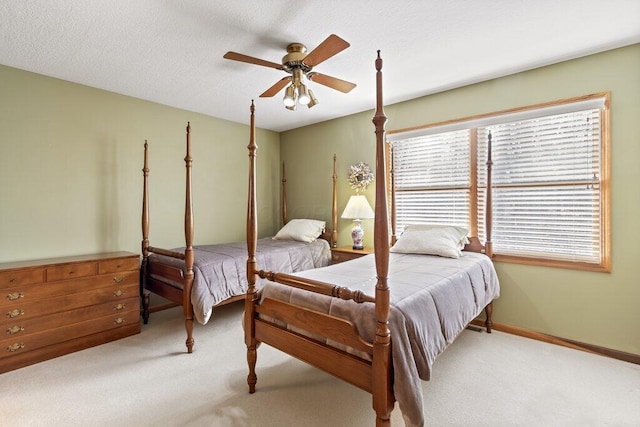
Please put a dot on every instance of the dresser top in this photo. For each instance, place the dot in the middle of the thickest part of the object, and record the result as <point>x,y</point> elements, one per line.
<point>67,259</point>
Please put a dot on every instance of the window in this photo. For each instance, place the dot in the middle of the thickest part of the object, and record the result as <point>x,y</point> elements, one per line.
<point>549,181</point>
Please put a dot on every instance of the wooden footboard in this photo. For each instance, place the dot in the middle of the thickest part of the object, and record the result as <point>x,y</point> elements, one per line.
<point>270,329</point>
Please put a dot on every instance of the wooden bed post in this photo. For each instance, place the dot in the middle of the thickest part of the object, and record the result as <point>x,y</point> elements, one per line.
<point>188,252</point>
<point>285,218</point>
<point>488,226</point>
<point>334,206</point>
<point>252,242</point>
<point>392,183</point>
<point>144,296</point>
<point>382,369</point>
<point>489,208</point>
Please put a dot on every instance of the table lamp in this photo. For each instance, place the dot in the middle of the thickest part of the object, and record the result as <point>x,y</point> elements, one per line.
<point>357,209</point>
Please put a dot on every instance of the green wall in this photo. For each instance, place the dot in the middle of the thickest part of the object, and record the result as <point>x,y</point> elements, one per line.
<point>595,308</point>
<point>71,180</point>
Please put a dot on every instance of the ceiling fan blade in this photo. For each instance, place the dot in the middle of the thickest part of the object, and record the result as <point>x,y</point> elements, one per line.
<point>332,82</point>
<point>280,84</point>
<point>325,50</point>
<point>251,60</point>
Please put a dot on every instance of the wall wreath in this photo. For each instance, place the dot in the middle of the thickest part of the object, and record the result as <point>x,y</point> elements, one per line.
<point>360,176</point>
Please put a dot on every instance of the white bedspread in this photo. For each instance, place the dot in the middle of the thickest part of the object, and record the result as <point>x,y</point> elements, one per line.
<point>432,301</point>
<point>220,270</point>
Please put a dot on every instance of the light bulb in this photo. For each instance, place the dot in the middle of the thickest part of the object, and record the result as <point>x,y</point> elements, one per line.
<point>289,94</point>
<point>303,94</point>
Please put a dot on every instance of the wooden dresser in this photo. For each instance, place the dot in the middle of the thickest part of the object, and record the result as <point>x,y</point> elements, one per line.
<point>57,306</point>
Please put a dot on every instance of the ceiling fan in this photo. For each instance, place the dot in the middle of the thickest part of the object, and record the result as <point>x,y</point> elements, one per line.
<point>299,64</point>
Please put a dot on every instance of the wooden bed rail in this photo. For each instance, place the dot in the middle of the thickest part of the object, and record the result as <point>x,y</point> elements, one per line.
<point>315,322</point>
<point>317,287</point>
<point>165,252</point>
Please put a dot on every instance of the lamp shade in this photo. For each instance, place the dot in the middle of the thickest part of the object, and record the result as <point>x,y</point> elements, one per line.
<point>358,208</point>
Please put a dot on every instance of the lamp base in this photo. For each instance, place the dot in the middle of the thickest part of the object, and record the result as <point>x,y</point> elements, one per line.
<point>357,234</point>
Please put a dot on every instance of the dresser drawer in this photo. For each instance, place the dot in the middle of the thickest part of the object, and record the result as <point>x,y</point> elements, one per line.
<point>32,309</point>
<point>337,257</point>
<point>20,295</point>
<point>13,278</point>
<point>20,327</point>
<point>118,264</point>
<point>20,344</point>
<point>71,271</point>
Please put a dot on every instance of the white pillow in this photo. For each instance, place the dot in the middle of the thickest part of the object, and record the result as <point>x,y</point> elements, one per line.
<point>303,230</point>
<point>463,232</point>
<point>443,240</point>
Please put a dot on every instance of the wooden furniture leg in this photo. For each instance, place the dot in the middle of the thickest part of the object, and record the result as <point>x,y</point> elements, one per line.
<point>146,296</point>
<point>488,311</point>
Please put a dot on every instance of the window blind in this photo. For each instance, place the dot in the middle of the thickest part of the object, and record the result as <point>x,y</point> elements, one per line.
<point>550,201</point>
<point>546,186</point>
<point>432,179</point>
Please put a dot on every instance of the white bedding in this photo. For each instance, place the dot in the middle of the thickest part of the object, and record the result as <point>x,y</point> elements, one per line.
<point>432,301</point>
<point>220,270</point>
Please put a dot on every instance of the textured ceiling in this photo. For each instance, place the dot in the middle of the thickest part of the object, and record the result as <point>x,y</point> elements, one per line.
<point>170,51</point>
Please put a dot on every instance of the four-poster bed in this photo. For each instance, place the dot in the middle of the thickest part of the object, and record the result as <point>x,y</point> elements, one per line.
<point>205,276</point>
<point>377,322</point>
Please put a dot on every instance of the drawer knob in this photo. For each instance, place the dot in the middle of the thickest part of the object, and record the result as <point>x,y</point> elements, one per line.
<point>14,296</point>
<point>118,279</point>
<point>15,313</point>
<point>15,329</point>
<point>118,321</point>
<point>15,347</point>
<point>119,307</point>
<point>118,293</point>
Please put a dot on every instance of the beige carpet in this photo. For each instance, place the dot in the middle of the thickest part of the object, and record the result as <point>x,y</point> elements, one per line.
<point>147,379</point>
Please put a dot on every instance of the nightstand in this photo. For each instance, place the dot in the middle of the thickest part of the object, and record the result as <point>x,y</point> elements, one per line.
<point>347,253</point>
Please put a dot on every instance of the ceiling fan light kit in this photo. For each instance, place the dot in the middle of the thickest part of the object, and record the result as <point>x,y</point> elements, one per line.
<point>297,92</point>
<point>299,65</point>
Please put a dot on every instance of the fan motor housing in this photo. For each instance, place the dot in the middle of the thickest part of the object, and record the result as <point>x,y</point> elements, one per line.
<point>296,52</point>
